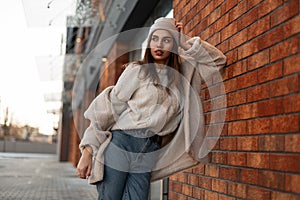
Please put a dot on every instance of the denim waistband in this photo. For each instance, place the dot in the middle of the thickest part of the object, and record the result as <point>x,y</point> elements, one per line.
<point>139,133</point>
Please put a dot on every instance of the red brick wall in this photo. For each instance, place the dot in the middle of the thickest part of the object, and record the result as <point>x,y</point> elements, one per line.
<point>257,155</point>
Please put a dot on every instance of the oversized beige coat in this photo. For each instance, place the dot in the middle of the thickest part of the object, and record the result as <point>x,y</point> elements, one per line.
<point>184,148</point>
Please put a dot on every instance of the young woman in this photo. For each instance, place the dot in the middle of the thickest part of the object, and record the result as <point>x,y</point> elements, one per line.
<point>150,124</point>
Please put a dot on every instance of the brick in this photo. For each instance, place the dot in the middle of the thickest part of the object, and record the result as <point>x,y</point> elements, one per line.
<point>248,49</point>
<point>207,33</point>
<point>237,190</point>
<point>239,68</point>
<point>227,5</point>
<point>223,197</point>
<point>215,39</point>
<point>247,111</point>
<point>237,128</point>
<point>205,182</point>
<point>268,6</point>
<point>291,103</point>
<point>200,169</point>
<point>269,107</point>
<point>221,23</point>
<point>281,196</point>
<point>214,16</point>
<point>176,187</point>
<point>270,38</point>
<point>231,114</point>
<point>230,30</point>
<point>250,17</point>
<point>238,39</point>
<point>249,176</point>
<point>259,126</point>
<point>271,143</point>
<point>289,27</point>
<point>224,46</point>
<point>191,14</point>
<point>181,197</point>
<point>284,162</point>
<point>237,159</point>
<point>207,10</point>
<point>229,173</point>
<point>235,69</point>
<point>219,157</point>
<point>259,92</point>
<point>232,57</point>
<point>271,179</point>
<point>284,49</point>
<point>255,193</point>
<point>258,60</point>
<point>284,124</point>
<point>200,4</point>
<point>259,27</point>
<point>291,64</point>
<point>286,85</point>
<point>212,170</point>
<point>238,10</point>
<point>258,160</point>
<point>230,85</point>
<point>292,183</point>
<point>270,72</point>
<point>288,10</point>
<point>197,193</point>
<point>182,178</point>
<point>219,186</point>
<point>249,143</point>
<point>173,178</point>
<point>172,195</point>
<point>193,180</point>
<point>187,190</point>
<point>237,98</point>
<point>253,3</point>
<point>175,3</point>
<point>208,195</point>
<point>292,143</point>
<point>247,80</point>
<point>228,143</point>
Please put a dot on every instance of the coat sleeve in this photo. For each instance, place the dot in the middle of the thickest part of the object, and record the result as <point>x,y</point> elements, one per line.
<point>204,56</point>
<point>105,109</point>
<point>101,118</point>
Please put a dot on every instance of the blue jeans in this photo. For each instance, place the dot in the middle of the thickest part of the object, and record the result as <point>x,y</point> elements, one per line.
<point>129,159</point>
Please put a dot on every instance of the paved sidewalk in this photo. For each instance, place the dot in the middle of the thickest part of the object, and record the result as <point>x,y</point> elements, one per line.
<point>41,177</point>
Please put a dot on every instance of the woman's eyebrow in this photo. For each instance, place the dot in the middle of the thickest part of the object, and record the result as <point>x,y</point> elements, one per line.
<point>162,37</point>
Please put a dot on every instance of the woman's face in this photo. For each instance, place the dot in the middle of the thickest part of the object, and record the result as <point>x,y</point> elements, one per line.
<point>161,45</point>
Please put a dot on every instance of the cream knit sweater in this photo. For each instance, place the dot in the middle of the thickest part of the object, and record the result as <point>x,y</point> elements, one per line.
<point>139,103</point>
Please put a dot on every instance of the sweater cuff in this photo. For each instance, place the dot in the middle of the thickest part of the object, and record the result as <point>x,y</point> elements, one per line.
<point>195,43</point>
<point>91,150</point>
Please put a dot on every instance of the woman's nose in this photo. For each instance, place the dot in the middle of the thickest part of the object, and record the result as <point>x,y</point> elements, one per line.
<point>159,44</point>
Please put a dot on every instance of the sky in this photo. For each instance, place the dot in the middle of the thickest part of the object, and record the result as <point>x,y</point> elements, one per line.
<point>31,59</point>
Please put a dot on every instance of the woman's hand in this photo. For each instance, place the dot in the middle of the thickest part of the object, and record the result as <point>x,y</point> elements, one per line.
<point>182,37</point>
<point>84,166</point>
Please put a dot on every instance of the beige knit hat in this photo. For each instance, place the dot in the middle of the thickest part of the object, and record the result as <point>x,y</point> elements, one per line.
<point>168,24</point>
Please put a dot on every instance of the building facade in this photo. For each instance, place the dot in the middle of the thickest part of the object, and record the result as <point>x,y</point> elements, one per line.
<point>257,154</point>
